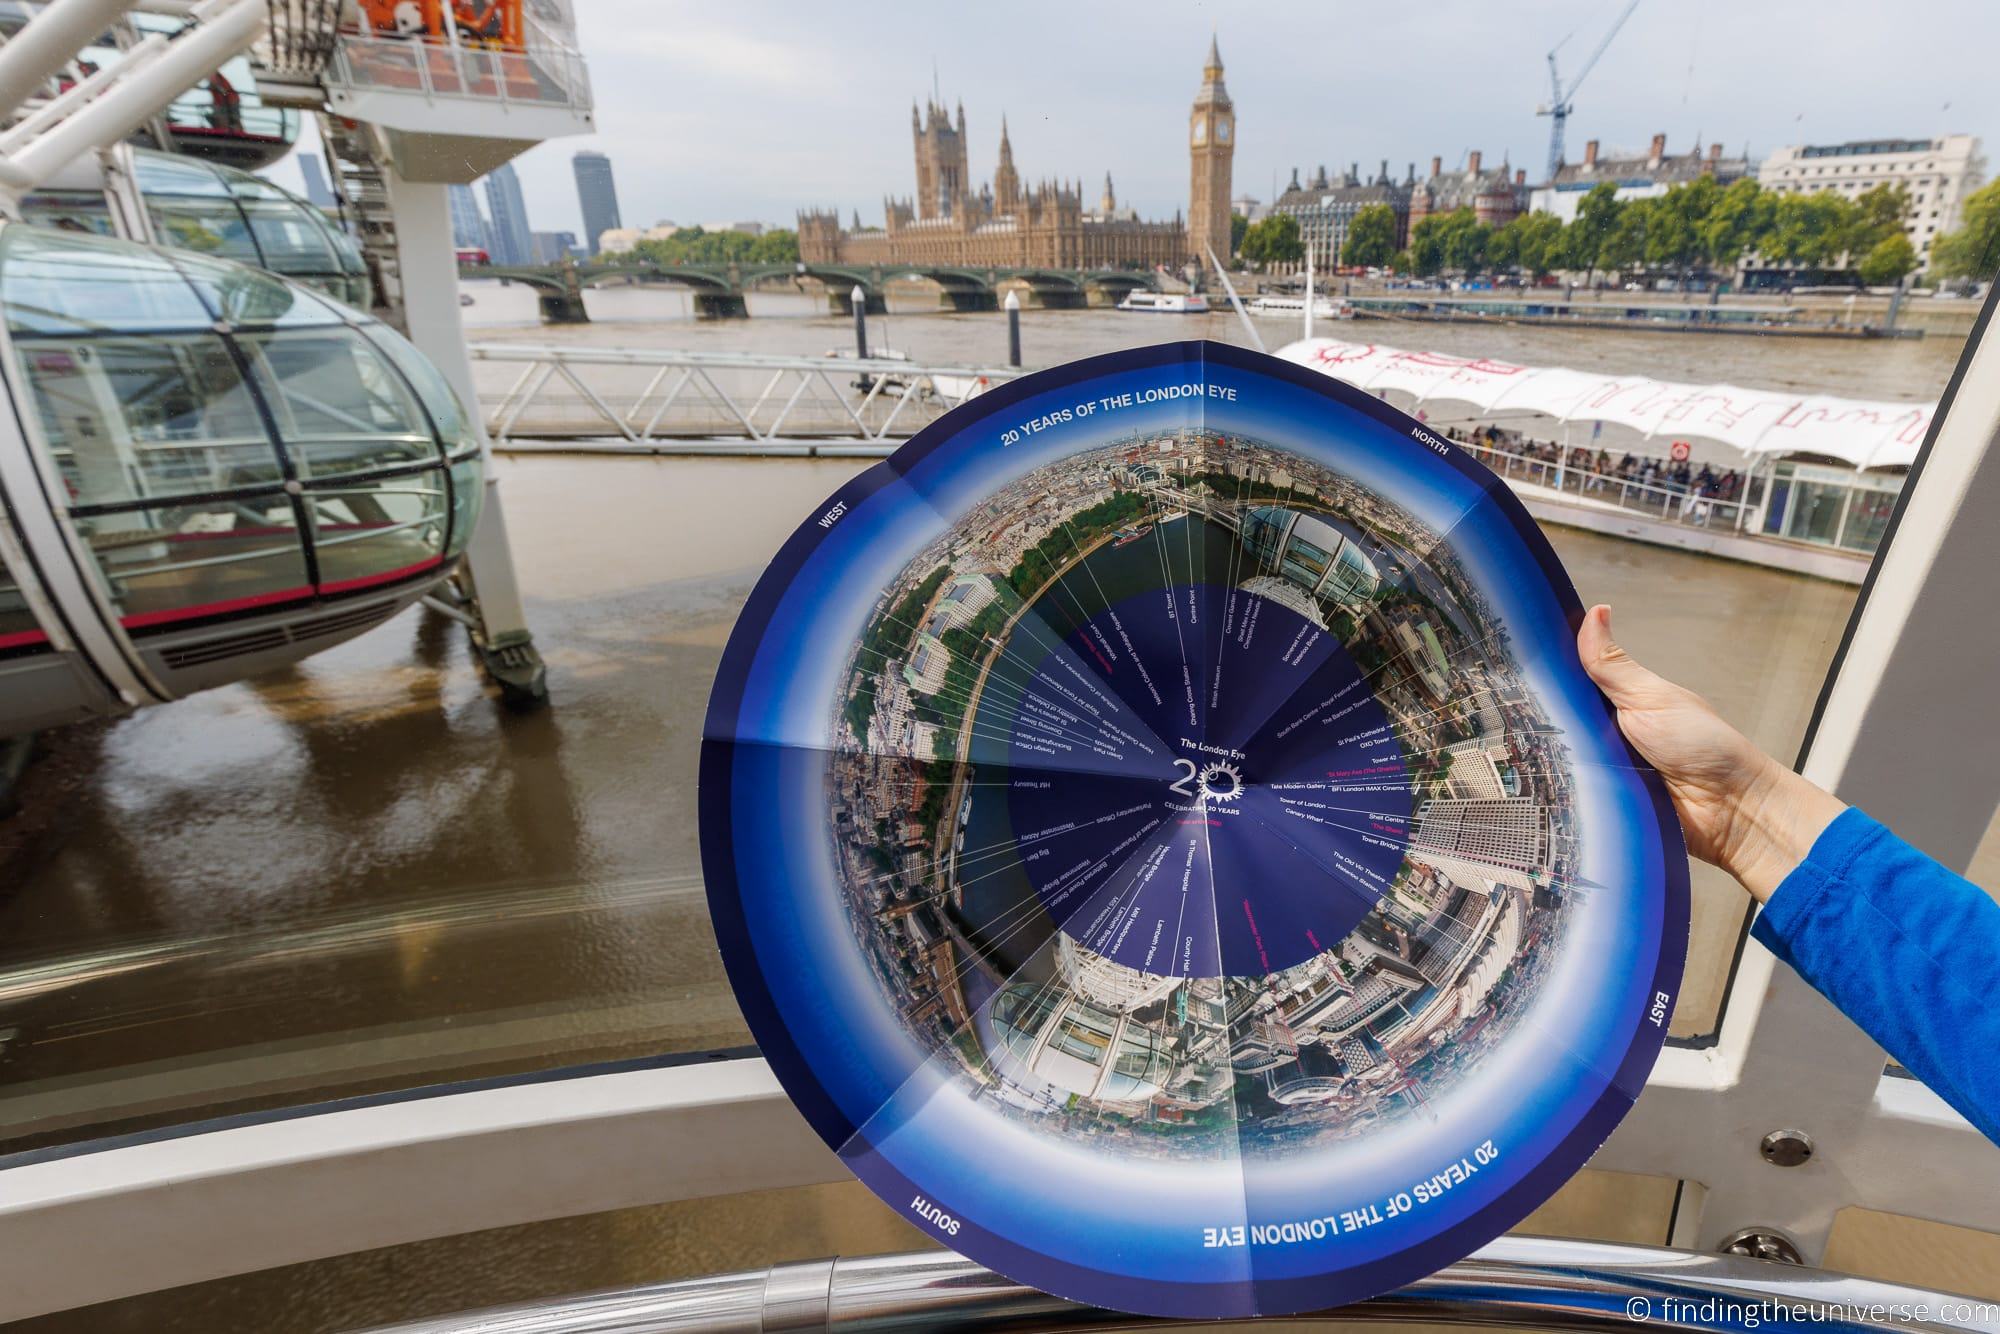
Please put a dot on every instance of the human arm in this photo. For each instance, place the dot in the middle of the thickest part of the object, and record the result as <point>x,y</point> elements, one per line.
<point>1742,810</point>
<point>1906,949</point>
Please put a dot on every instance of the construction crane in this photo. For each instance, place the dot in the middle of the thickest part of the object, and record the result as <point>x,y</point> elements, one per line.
<point>1560,102</point>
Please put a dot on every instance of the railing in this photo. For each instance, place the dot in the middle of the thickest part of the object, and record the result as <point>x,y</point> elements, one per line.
<point>558,58</point>
<point>545,398</point>
<point>545,73</point>
<point>1665,501</point>
<point>299,39</point>
<point>665,401</point>
<point>1517,1282</point>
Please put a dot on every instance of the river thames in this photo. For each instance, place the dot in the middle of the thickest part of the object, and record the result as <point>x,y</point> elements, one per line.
<point>787,323</point>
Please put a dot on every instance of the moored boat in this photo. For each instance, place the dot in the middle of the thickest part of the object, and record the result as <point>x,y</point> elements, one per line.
<point>1166,303</point>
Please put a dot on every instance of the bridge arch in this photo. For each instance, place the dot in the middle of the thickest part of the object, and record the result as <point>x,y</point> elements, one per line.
<point>719,288</point>
<point>1122,280</point>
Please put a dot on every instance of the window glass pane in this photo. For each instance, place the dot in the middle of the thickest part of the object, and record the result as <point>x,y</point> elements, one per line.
<point>67,282</point>
<point>69,211</point>
<point>179,562</point>
<point>579,888</point>
<point>126,419</point>
<point>438,399</point>
<point>205,226</point>
<point>349,290</point>
<point>340,408</point>
<point>1305,561</point>
<point>468,496</point>
<point>248,188</point>
<point>244,295</point>
<point>1816,512</point>
<point>343,245</point>
<point>1867,519</point>
<point>292,242</point>
<point>166,174</point>
<point>17,624</point>
<point>1900,1249</point>
<point>372,532</point>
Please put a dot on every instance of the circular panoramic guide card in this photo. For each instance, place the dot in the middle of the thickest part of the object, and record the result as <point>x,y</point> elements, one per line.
<point>1161,836</point>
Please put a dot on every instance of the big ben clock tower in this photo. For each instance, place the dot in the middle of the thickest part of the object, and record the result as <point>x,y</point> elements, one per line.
<point>1211,145</point>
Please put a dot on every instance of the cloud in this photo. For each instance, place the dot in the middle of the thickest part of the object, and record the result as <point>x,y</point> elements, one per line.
<point>757,108</point>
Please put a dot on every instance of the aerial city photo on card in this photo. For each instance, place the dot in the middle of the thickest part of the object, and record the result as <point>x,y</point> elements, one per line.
<point>1030,804</point>
<point>1168,777</point>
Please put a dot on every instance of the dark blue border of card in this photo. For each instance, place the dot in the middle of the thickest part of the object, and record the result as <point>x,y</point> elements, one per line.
<point>1064,1277</point>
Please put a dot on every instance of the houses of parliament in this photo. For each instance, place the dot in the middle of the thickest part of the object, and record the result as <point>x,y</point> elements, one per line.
<point>1007,223</point>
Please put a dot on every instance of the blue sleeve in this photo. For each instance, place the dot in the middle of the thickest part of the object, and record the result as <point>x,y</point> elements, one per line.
<point>1907,950</point>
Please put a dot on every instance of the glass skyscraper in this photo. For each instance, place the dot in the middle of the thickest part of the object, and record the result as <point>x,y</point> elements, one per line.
<point>507,213</point>
<point>313,170</point>
<point>598,194</point>
<point>468,224</point>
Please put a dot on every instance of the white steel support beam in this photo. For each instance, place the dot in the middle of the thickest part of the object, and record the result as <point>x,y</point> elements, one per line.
<point>426,259</point>
<point>51,40</point>
<point>147,81</point>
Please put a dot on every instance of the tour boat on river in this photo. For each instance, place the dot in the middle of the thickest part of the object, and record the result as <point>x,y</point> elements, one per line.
<point>1166,303</point>
<point>1323,307</point>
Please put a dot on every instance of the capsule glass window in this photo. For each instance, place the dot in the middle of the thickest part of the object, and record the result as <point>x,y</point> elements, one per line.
<point>227,441</point>
<point>339,406</point>
<point>206,226</point>
<point>454,427</point>
<point>129,419</point>
<point>69,211</point>
<point>70,283</point>
<point>379,530</point>
<point>210,209</point>
<point>18,626</point>
<point>170,564</point>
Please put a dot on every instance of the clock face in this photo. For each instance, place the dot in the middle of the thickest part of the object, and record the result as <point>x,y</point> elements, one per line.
<point>1201,132</point>
<point>1222,131</point>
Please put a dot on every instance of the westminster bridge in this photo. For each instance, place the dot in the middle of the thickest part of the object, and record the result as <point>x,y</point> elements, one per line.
<point>719,289</point>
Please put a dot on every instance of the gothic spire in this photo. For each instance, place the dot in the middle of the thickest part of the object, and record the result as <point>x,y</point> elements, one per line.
<point>1212,93</point>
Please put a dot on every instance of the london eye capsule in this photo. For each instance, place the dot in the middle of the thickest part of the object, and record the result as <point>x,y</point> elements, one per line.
<point>208,472</point>
<point>204,207</point>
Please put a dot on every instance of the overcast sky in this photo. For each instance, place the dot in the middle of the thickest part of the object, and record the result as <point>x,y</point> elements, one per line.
<point>751,110</point>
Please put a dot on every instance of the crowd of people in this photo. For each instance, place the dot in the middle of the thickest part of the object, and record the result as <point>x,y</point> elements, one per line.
<point>1663,480</point>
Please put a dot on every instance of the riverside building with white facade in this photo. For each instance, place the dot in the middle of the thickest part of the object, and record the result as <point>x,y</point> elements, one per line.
<point>1938,174</point>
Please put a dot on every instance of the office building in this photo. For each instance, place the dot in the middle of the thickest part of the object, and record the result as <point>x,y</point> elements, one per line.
<point>1634,175</point>
<point>313,169</point>
<point>1479,771</point>
<point>597,194</point>
<point>1937,174</point>
<point>1326,208</point>
<point>1481,844</point>
<point>507,213</point>
<point>555,247</point>
<point>1496,195</point>
<point>468,224</point>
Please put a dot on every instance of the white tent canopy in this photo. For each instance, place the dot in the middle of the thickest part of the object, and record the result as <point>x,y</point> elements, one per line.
<point>1864,433</point>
